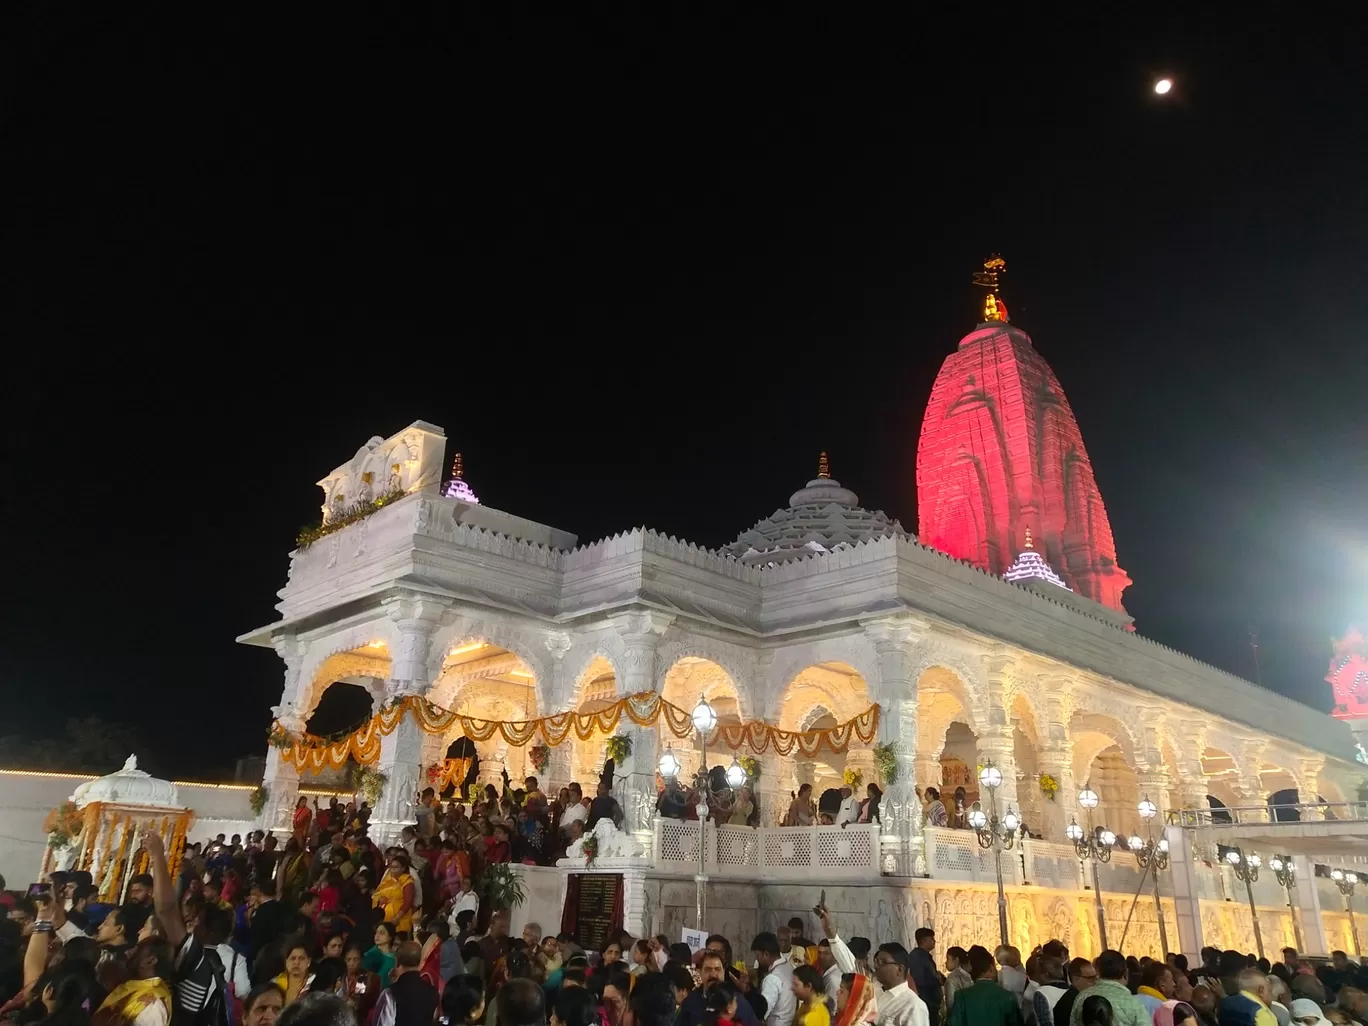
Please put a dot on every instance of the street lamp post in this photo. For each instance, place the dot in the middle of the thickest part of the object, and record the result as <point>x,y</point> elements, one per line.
<point>1247,869</point>
<point>1149,853</point>
<point>704,720</point>
<point>1346,882</point>
<point>1094,846</point>
<point>994,833</point>
<point>1286,874</point>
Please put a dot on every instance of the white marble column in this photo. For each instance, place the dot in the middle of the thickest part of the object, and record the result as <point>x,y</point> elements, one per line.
<point>996,744</point>
<point>401,760</point>
<point>1306,899</point>
<point>281,779</point>
<point>773,788</point>
<point>635,784</point>
<point>1186,901</point>
<point>900,811</point>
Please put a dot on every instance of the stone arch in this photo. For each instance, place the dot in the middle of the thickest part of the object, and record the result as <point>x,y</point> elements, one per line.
<point>854,651</point>
<point>577,666</point>
<point>360,639</point>
<point>498,634</point>
<point>1223,773</point>
<point>945,698</point>
<point>670,655</point>
<point>349,667</point>
<point>1104,759</point>
<point>595,687</point>
<point>1108,725</point>
<point>836,687</point>
<point>687,680</point>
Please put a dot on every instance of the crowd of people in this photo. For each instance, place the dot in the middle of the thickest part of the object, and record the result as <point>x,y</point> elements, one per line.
<point>328,929</point>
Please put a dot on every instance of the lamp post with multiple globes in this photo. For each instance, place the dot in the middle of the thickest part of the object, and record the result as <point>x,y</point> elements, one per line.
<point>1286,875</point>
<point>1094,846</point>
<point>1154,856</point>
<point>1246,868</point>
<point>994,833</point>
<point>704,719</point>
<point>1346,882</point>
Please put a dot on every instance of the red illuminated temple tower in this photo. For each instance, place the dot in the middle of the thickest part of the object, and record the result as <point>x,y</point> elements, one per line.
<point>1001,453</point>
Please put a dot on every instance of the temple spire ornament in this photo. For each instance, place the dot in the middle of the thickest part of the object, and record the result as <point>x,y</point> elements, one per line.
<point>994,309</point>
<point>456,488</point>
<point>823,466</point>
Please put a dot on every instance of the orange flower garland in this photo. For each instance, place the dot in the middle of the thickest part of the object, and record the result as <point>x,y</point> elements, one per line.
<point>645,709</point>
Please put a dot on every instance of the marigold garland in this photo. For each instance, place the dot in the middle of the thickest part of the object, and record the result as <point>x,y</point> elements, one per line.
<point>314,755</point>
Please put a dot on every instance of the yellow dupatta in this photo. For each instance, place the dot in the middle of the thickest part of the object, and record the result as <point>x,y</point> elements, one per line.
<point>390,897</point>
<point>129,999</point>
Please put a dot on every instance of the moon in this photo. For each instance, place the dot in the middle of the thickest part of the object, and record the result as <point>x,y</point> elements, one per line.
<point>1163,86</point>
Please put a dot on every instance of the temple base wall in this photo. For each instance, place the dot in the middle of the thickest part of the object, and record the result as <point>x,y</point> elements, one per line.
<point>961,914</point>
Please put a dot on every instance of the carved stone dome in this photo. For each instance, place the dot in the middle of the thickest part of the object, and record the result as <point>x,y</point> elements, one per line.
<point>821,517</point>
<point>129,786</point>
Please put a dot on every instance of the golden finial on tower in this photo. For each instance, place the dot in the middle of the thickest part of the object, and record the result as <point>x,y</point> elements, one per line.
<point>1028,538</point>
<point>457,467</point>
<point>994,309</point>
<point>823,466</point>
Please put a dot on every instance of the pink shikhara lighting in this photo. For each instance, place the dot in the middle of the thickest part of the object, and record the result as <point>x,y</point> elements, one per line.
<point>1348,676</point>
<point>456,488</point>
<point>1000,450</point>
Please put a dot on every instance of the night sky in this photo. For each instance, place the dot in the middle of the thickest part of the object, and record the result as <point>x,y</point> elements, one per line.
<point>642,269</point>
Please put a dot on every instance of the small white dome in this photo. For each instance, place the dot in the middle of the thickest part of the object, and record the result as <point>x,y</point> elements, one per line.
<point>129,786</point>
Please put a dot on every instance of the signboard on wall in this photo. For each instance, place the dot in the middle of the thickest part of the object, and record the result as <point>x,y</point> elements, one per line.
<point>593,908</point>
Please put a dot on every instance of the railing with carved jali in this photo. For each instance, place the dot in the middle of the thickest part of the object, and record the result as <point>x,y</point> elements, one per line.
<point>772,852</point>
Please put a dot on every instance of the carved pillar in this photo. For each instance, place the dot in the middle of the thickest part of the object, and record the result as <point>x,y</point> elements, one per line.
<point>281,779</point>
<point>774,786</point>
<point>417,618</point>
<point>900,811</point>
<point>996,741</point>
<point>1056,759</point>
<point>635,783</point>
<point>1308,788</point>
<point>862,760</point>
<point>402,752</point>
<point>996,744</point>
<point>558,772</point>
<point>401,760</point>
<point>1154,785</point>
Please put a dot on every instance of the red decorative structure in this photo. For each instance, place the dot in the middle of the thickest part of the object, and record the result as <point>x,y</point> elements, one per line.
<point>1001,453</point>
<point>1348,676</point>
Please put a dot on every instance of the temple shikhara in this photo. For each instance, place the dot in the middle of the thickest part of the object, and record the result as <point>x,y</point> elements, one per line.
<point>831,644</point>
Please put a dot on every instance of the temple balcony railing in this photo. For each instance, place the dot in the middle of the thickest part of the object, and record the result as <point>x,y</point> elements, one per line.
<point>780,853</point>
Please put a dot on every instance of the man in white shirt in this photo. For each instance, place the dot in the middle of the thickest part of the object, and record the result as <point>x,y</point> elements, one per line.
<point>467,899</point>
<point>576,811</point>
<point>849,811</point>
<point>899,1004</point>
<point>777,985</point>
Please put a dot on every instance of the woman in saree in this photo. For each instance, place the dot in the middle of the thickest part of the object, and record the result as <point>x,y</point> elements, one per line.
<point>855,1000</point>
<point>303,819</point>
<point>292,878</point>
<point>395,894</point>
<point>452,864</point>
<point>145,998</point>
<point>430,965</point>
